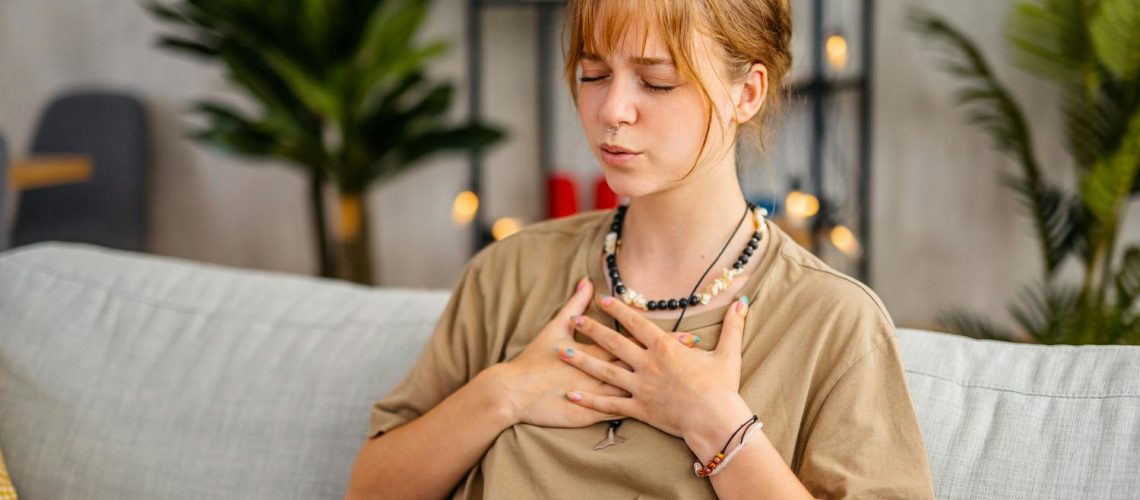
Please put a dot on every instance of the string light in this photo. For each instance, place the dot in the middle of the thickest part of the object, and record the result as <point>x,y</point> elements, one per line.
<point>504,227</point>
<point>800,206</point>
<point>844,240</point>
<point>464,208</point>
<point>836,48</point>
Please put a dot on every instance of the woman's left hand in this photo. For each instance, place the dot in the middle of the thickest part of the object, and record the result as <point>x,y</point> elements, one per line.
<point>673,387</point>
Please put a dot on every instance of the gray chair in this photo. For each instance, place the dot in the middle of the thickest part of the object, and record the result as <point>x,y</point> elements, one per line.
<point>108,210</point>
<point>3,194</point>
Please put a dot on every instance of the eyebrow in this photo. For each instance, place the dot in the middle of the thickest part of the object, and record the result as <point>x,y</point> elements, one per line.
<point>637,61</point>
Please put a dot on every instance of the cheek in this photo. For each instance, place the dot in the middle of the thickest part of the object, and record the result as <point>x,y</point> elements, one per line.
<point>679,124</point>
<point>588,101</point>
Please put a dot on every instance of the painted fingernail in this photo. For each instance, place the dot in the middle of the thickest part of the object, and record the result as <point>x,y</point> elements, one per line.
<point>607,300</point>
<point>696,340</point>
<point>573,396</point>
<point>568,352</point>
<point>581,284</point>
<point>579,321</point>
<point>683,338</point>
<point>742,306</point>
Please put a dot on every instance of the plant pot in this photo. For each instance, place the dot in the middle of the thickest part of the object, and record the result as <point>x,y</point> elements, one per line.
<point>352,244</point>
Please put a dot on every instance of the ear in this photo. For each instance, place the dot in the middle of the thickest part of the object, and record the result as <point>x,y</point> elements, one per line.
<point>755,88</point>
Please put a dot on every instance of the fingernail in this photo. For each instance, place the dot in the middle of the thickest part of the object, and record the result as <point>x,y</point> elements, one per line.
<point>607,300</point>
<point>579,321</point>
<point>573,396</point>
<point>567,353</point>
<point>683,338</point>
<point>696,340</point>
<point>742,306</point>
<point>581,284</point>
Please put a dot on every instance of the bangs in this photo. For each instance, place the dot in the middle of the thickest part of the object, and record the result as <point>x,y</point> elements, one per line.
<point>600,27</point>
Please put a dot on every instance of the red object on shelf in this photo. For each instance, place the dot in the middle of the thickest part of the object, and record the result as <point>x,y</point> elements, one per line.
<point>604,197</point>
<point>563,195</point>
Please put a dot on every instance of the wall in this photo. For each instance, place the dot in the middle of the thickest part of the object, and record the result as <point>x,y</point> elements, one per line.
<point>944,232</point>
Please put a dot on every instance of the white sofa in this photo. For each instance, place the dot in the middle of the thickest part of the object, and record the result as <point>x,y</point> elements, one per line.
<point>128,376</point>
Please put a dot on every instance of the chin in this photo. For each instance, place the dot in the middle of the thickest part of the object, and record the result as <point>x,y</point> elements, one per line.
<point>625,185</point>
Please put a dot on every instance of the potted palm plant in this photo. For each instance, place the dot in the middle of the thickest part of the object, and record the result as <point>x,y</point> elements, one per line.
<point>342,94</point>
<point>1091,50</point>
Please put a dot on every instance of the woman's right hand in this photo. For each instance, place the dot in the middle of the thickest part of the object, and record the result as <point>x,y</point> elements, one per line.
<point>536,380</point>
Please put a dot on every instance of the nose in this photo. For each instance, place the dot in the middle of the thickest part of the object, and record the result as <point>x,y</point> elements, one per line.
<point>619,105</point>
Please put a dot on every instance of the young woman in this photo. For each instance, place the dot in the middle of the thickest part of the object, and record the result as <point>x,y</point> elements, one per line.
<point>678,347</point>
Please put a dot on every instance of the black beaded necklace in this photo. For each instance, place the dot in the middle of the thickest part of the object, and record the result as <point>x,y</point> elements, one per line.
<point>617,288</point>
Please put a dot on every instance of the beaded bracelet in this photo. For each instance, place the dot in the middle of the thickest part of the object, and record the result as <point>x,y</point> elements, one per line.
<point>720,461</point>
<point>736,450</point>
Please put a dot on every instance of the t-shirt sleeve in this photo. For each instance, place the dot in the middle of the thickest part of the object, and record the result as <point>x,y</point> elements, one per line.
<point>865,441</point>
<point>455,353</point>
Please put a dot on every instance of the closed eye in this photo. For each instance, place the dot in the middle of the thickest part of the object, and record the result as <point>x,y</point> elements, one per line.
<point>652,88</point>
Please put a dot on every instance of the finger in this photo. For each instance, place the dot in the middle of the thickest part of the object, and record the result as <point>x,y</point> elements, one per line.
<point>613,342</point>
<point>688,339</point>
<point>589,414</point>
<point>601,370</point>
<point>639,326</point>
<point>732,329</point>
<point>578,301</point>
<point>609,390</point>
<point>605,404</point>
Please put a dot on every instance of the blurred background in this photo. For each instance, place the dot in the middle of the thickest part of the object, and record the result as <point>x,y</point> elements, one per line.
<point>972,161</point>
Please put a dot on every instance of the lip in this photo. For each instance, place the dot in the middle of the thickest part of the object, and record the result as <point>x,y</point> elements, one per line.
<point>613,148</point>
<point>616,155</point>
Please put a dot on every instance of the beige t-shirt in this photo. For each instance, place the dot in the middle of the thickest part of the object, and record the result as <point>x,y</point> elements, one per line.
<point>820,367</point>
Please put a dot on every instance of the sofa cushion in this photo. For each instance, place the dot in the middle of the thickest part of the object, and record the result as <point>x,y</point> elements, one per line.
<point>128,376</point>
<point>1006,420</point>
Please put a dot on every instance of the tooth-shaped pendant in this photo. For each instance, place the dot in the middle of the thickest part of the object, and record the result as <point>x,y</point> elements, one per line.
<point>611,436</point>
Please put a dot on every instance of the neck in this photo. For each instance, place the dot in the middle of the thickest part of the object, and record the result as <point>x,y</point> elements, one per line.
<point>683,228</point>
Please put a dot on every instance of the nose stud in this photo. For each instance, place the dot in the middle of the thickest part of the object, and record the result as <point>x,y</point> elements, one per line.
<point>612,130</point>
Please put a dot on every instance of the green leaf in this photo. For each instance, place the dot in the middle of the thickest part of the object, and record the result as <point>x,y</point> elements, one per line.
<point>1116,37</point>
<point>390,29</point>
<point>1049,38</point>
<point>462,137</point>
<point>1044,312</point>
<point>1106,187</point>
<point>165,13</point>
<point>308,89</point>
<point>191,47</point>
<point>1128,279</point>
<point>383,72</point>
<point>972,325</point>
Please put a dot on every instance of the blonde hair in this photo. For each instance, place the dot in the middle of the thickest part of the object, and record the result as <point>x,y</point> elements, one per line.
<point>748,31</point>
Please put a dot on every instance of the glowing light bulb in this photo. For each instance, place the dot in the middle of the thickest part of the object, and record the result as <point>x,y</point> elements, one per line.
<point>505,227</point>
<point>464,208</point>
<point>836,48</point>
<point>800,205</point>
<point>844,240</point>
